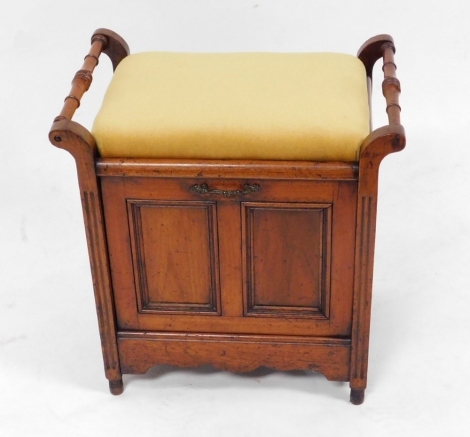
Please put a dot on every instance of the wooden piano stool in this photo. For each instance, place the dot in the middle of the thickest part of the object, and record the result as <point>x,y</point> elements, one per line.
<point>230,206</point>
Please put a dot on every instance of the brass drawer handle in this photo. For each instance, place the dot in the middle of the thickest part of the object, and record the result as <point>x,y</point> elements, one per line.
<point>204,189</point>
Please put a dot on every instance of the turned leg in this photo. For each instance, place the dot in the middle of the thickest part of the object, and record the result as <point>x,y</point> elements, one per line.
<point>116,387</point>
<point>357,396</point>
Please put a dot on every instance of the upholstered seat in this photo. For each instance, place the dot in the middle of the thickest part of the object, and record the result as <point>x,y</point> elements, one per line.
<point>235,106</point>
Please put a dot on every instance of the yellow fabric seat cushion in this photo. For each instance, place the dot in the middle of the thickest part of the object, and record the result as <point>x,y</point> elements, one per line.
<point>275,106</point>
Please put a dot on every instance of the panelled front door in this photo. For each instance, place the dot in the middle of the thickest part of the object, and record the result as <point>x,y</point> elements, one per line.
<point>273,258</point>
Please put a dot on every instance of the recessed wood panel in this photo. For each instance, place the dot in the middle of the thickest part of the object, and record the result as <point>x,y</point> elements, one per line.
<point>175,256</point>
<point>227,219</point>
<point>287,259</point>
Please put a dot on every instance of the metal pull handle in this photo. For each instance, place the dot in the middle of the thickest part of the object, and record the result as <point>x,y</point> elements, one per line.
<point>204,189</point>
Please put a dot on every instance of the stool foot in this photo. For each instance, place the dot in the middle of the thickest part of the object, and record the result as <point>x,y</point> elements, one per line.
<point>116,387</point>
<point>357,396</point>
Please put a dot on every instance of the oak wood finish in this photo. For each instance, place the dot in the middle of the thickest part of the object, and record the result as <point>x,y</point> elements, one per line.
<point>376,146</point>
<point>286,258</point>
<point>238,353</point>
<point>233,263</point>
<point>175,256</point>
<point>74,138</point>
<point>287,197</point>
<point>184,168</point>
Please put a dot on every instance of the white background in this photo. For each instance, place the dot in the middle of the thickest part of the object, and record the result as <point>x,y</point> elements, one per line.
<point>51,376</point>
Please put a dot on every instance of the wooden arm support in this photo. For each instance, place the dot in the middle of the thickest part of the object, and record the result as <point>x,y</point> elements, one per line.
<point>382,46</point>
<point>103,40</point>
<point>71,136</point>
<point>378,144</point>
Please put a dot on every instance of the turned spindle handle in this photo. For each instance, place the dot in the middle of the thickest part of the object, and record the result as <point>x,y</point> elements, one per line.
<point>383,46</point>
<point>391,85</point>
<point>102,41</point>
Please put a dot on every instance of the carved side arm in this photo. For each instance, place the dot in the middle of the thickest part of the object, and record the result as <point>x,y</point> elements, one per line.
<point>74,138</point>
<point>379,143</point>
<point>390,138</point>
<point>102,41</point>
